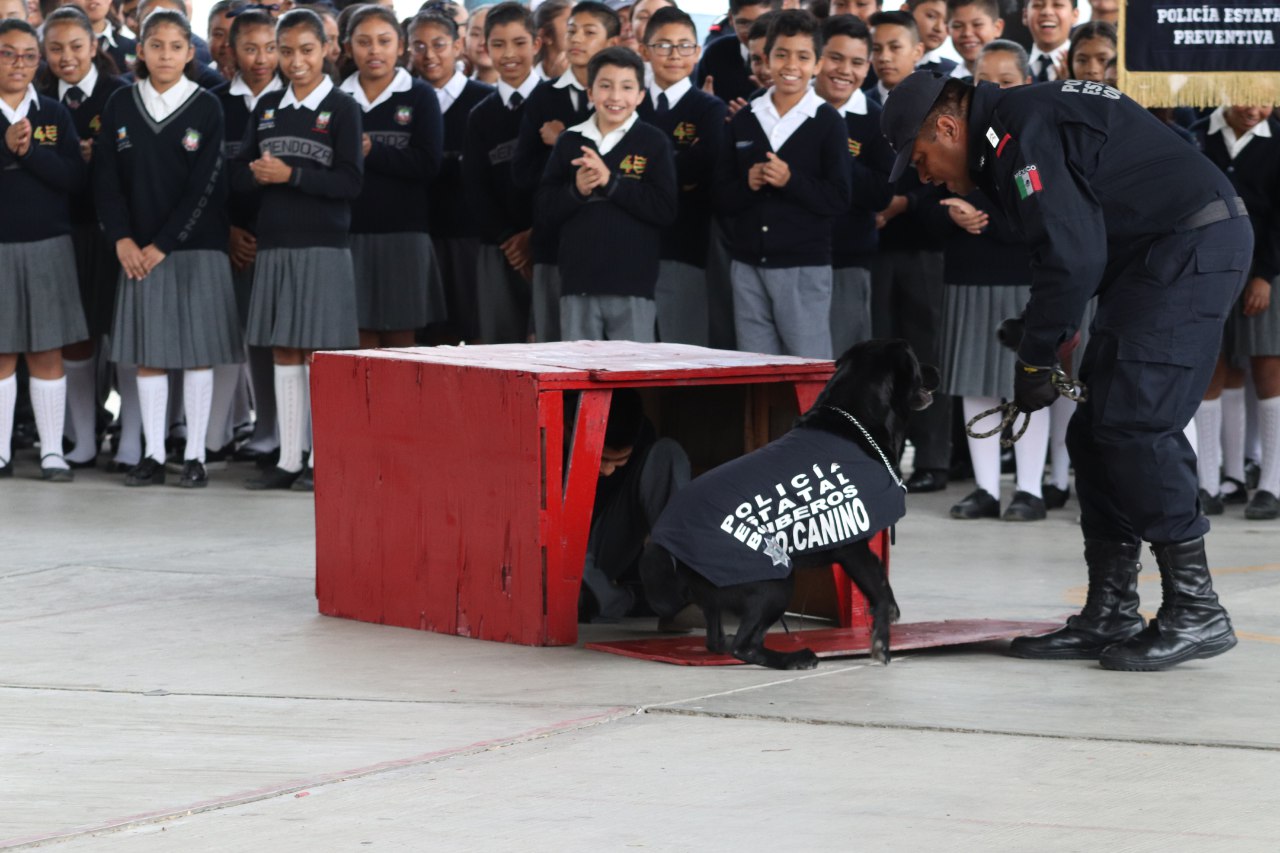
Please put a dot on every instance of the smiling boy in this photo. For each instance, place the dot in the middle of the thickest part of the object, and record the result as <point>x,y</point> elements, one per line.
<point>972,23</point>
<point>726,61</point>
<point>931,22</point>
<point>1050,23</point>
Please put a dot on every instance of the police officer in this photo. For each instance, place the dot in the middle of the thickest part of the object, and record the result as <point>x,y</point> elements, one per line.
<point>1111,203</point>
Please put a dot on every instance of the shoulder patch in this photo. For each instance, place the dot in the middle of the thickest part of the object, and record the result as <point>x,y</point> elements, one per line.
<point>1028,181</point>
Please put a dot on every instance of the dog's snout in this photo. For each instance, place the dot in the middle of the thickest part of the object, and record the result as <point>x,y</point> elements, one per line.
<point>930,378</point>
<point>923,400</point>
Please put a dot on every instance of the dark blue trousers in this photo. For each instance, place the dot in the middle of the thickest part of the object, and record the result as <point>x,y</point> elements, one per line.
<point>1153,347</point>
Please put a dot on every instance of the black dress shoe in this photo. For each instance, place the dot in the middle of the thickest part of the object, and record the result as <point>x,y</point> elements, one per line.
<point>1239,495</point>
<point>1211,504</point>
<point>927,480</point>
<point>1262,507</point>
<point>977,504</point>
<point>1252,473</point>
<point>193,475</point>
<point>306,481</point>
<point>54,473</point>
<point>148,472</point>
<point>1025,507</point>
<point>276,478</point>
<point>1054,498</point>
<point>6,471</point>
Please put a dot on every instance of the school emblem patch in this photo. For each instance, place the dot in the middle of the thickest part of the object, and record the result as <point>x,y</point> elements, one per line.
<point>686,131</point>
<point>1028,182</point>
<point>855,147</point>
<point>322,120</point>
<point>46,134</point>
<point>633,165</point>
<point>404,115</point>
<point>191,140</point>
<point>95,124</point>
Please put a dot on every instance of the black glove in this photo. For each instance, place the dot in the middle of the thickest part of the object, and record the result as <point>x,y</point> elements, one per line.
<point>1033,387</point>
<point>1010,333</point>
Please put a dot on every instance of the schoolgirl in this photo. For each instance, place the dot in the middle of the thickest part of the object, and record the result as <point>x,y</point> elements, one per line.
<point>161,189</point>
<point>40,168</point>
<point>551,19</point>
<point>82,78</point>
<point>398,286</point>
<point>303,148</point>
<point>106,28</point>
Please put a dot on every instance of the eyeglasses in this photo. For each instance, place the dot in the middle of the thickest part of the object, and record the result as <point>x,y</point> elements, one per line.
<point>9,56</point>
<point>664,48</point>
<point>421,47</point>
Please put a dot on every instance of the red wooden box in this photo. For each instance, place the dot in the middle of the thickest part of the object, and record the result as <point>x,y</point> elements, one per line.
<point>444,500</point>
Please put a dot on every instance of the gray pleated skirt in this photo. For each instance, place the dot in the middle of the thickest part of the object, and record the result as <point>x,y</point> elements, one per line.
<point>98,272</point>
<point>39,299</point>
<point>974,363</point>
<point>398,283</point>
<point>1258,335</point>
<point>182,315</point>
<point>304,299</point>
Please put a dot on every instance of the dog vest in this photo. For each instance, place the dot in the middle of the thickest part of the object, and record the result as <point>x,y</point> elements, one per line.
<point>808,491</point>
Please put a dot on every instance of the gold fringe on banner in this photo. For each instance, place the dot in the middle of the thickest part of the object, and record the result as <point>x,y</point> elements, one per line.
<point>1208,89</point>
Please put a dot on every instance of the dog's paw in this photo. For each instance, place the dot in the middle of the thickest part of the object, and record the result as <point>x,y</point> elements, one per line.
<point>880,650</point>
<point>803,659</point>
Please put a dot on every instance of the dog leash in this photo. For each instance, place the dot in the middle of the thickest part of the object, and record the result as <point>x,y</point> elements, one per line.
<point>1072,389</point>
<point>867,436</point>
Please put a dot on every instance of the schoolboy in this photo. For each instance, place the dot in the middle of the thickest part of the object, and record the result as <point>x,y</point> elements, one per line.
<point>726,60</point>
<point>1050,23</point>
<point>694,122</point>
<point>846,56</point>
<point>757,61</point>
<point>554,106</point>
<point>896,49</point>
<point>784,174</point>
<point>863,9</point>
<point>931,22</point>
<point>972,24</point>
<point>609,189</point>
<point>503,213</point>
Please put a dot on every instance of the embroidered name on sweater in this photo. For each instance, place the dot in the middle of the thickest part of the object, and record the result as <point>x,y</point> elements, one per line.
<point>296,146</point>
<point>1028,181</point>
<point>502,153</point>
<point>398,139</point>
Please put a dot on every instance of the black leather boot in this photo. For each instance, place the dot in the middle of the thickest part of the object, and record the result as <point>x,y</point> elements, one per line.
<point>1110,612</point>
<point>1190,623</point>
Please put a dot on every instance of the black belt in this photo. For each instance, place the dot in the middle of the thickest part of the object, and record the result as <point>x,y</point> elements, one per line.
<point>1215,211</point>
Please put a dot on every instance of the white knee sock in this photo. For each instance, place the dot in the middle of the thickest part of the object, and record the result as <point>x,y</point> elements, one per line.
<point>1252,420</point>
<point>985,452</point>
<point>1232,401</point>
<point>129,450</point>
<point>8,402</point>
<point>291,394</point>
<point>1059,459</point>
<point>1209,458</point>
<point>153,400</point>
<point>261,375</point>
<point>226,379</point>
<point>197,401</point>
<point>1193,435</point>
<point>82,404</point>
<point>1269,432</point>
<point>49,402</point>
<point>1030,452</point>
<point>310,442</point>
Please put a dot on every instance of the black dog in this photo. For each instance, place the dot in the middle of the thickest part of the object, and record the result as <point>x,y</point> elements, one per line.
<point>814,497</point>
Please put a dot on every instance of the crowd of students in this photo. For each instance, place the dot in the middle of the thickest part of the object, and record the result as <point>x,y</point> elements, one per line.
<point>204,216</point>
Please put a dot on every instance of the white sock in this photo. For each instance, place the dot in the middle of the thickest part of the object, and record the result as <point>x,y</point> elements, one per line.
<point>1209,460</point>
<point>1059,459</point>
<point>1029,452</point>
<point>985,452</point>
<point>291,392</point>
<point>129,450</point>
<point>226,379</point>
<point>82,405</point>
<point>1232,401</point>
<point>8,403</point>
<point>153,400</point>
<point>241,411</point>
<point>1193,435</point>
<point>261,373</point>
<point>197,400</point>
<point>310,438</point>
<point>49,402</point>
<point>1252,425</point>
<point>1269,432</point>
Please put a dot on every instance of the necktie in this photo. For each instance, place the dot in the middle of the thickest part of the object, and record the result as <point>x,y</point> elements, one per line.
<point>1046,61</point>
<point>74,98</point>
<point>514,102</point>
<point>664,106</point>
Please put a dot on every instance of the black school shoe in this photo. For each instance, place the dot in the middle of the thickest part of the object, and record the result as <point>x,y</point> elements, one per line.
<point>193,475</point>
<point>306,482</point>
<point>927,480</point>
<point>55,474</point>
<point>1025,507</point>
<point>148,472</point>
<point>6,471</point>
<point>978,504</point>
<point>1054,498</point>
<point>1211,504</point>
<point>1263,507</point>
<point>276,478</point>
<point>1240,495</point>
<point>1252,474</point>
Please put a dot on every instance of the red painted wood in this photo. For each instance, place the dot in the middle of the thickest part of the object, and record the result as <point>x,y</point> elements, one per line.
<point>691,650</point>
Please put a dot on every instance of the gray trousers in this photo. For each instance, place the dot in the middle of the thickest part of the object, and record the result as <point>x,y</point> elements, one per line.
<point>850,308</point>
<point>680,297</point>
<point>783,311</point>
<point>504,297</point>
<point>719,290</point>
<point>546,303</point>
<point>607,318</point>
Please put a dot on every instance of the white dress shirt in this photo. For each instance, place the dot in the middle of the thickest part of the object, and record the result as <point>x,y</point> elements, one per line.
<point>239,87</point>
<point>856,105</point>
<point>161,105</point>
<point>526,89</point>
<point>401,81</point>
<point>1056,56</point>
<point>16,115</point>
<point>1235,144</point>
<point>310,102</point>
<point>451,90</point>
<point>778,128</point>
<point>674,92</point>
<point>87,84</point>
<point>607,142</point>
<point>576,90</point>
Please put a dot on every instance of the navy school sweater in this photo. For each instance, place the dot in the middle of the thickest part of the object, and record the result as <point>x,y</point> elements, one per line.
<point>162,182</point>
<point>242,207</point>
<point>546,103</point>
<point>450,214</point>
<point>695,126</point>
<point>722,61</point>
<point>610,240</point>
<point>909,231</point>
<point>499,208</point>
<point>324,148</point>
<point>36,188</point>
<point>854,233</point>
<point>791,226</point>
<point>406,135</point>
<point>996,257</point>
<point>87,118</point>
<point>1255,174</point>
<point>124,53</point>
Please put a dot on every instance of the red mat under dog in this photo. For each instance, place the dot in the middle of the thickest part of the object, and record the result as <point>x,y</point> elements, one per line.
<point>691,650</point>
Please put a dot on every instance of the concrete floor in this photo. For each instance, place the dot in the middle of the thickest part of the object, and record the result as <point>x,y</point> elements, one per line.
<point>166,684</point>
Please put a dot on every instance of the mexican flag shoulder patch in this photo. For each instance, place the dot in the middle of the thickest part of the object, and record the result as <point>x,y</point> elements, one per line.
<point>1028,181</point>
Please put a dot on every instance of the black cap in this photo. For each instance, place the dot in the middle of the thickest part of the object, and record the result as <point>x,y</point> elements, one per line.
<point>905,110</point>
